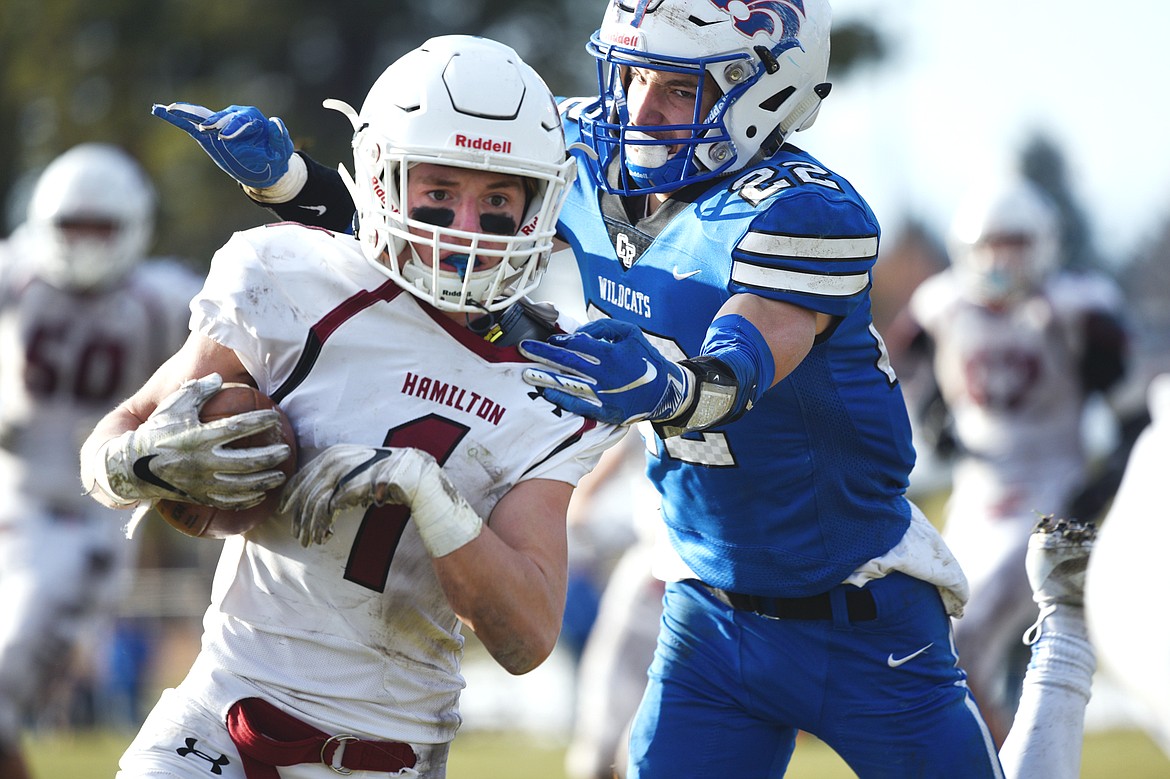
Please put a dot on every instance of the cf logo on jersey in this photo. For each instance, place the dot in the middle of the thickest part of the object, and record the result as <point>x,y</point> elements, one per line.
<point>217,763</point>
<point>626,251</point>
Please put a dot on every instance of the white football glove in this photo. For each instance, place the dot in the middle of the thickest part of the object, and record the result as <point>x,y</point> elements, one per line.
<point>174,455</point>
<point>347,476</point>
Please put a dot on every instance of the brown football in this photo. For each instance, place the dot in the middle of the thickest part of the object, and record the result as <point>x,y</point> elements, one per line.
<point>197,520</point>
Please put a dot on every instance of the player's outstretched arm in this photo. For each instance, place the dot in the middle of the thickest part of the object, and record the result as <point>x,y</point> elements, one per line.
<point>506,581</point>
<point>257,152</point>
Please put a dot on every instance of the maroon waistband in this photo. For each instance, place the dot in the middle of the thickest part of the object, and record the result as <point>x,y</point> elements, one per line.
<point>267,737</point>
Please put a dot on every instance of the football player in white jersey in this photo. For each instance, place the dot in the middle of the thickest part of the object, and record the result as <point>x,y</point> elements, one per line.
<point>1014,349</point>
<point>83,322</point>
<point>433,483</point>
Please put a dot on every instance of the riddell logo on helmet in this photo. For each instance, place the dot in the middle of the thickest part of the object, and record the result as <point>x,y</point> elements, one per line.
<point>378,190</point>
<point>625,37</point>
<point>483,144</point>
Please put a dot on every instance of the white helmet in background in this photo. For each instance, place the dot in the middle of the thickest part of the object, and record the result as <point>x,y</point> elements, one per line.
<point>464,102</point>
<point>769,58</point>
<point>1004,242</point>
<point>90,217</point>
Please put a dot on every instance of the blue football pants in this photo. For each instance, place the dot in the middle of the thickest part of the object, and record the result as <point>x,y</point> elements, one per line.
<point>729,690</point>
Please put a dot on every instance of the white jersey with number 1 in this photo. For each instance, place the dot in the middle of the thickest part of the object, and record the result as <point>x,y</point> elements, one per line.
<point>356,633</point>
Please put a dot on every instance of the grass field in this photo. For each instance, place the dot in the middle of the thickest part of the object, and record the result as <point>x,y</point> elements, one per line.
<point>481,755</point>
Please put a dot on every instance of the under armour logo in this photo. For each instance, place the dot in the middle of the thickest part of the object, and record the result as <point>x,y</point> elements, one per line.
<point>217,763</point>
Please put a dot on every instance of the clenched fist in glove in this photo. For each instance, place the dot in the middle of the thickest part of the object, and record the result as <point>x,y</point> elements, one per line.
<point>348,476</point>
<point>175,455</point>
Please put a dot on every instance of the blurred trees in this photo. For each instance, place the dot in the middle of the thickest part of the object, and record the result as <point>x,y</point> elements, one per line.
<point>75,71</point>
<point>1042,162</point>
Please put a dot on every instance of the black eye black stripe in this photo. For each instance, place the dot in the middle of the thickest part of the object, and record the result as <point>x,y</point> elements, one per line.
<point>496,224</point>
<point>439,217</point>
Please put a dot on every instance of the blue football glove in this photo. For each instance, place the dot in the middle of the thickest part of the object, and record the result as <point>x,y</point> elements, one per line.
<point>249,147</point>
<point>608,371</point>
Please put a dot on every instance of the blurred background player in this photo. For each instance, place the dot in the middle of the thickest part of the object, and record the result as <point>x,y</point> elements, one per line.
<point>1013,350</point>
<point>83,322</point>
<point>615,502</point>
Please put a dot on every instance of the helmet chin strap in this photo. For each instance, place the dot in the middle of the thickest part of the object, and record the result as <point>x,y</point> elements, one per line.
<point>519,321</point>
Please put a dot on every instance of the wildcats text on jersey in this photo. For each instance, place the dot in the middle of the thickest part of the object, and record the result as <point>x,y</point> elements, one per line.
<point>454,396</point>
<point>624,297</point>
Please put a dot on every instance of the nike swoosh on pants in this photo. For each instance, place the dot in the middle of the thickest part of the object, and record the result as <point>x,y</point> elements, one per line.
<point>894,663</point>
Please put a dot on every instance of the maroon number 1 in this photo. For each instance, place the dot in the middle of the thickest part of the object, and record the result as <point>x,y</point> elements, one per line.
<point>381,529</point>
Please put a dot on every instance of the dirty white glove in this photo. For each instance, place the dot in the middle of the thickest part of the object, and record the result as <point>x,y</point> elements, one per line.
<point>348,476</point>
<point>174,455</point>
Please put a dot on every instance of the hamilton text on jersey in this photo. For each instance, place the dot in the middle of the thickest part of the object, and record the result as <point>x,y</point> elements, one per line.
<point>453,396</point>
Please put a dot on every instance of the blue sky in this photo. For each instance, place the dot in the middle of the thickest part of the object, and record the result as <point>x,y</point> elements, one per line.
<point>968,83</point>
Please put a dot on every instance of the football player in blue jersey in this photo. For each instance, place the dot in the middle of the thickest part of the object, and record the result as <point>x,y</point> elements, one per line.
<point>727,276</point>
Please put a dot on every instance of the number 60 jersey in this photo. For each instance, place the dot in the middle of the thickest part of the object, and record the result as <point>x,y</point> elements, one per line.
<point>357,630</point>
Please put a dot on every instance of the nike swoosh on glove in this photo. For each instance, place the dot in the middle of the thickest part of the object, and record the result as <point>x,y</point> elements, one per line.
<point>245,144</point>
<point>175,455</point>
<point>608,371</point>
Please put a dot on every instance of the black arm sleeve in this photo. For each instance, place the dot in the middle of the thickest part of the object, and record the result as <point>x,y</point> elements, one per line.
<point>322,202</point>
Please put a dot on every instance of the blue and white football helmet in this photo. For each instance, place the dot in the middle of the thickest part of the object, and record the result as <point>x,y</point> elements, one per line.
<point>768,58</point>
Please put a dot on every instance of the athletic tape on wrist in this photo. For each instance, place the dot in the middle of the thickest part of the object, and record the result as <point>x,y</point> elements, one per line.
<point>732,372</point>
<point>445,520</point>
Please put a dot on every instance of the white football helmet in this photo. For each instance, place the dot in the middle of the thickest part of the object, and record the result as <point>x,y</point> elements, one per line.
<point>769,58</point>
<point>463,102</point>
<point>1004,242</point>
<point>90,217</point>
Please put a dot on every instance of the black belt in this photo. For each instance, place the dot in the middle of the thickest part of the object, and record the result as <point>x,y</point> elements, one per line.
<point>858,603</point>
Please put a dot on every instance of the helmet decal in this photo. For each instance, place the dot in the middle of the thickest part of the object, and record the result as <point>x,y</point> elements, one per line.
<point>639,12</point>
<point>640,8</point>
<point>755,16</point>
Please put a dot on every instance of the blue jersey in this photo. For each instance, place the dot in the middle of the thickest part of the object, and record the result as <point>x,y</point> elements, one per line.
<point>810,484</point>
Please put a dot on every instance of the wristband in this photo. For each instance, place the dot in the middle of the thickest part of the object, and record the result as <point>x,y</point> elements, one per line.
<point>286,187</point>
<point>95,474</point>
<point>732,372</point>
<point>737,343</point>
